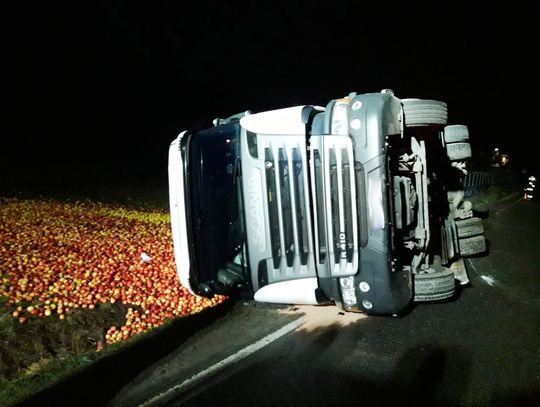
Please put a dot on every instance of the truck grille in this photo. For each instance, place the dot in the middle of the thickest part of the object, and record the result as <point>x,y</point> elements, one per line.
<point>288,210</point>
<point>334,198</point>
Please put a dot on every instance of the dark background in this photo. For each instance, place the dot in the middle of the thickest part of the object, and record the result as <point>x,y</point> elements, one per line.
<point>97,90</point>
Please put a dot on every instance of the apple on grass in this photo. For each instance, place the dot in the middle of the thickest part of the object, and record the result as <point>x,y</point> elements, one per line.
<point>65,256</point>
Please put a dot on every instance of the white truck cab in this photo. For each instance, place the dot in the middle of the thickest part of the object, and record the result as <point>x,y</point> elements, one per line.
<point>358,203</point>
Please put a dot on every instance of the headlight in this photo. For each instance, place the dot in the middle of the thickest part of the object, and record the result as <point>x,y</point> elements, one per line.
<point>375,201</point>
<point>347,283</point>
<point>340,119</point>
<point>347,290</point>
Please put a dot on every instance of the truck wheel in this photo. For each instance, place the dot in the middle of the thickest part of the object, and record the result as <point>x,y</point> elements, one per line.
<point>423,112</point>
<point>469,246</point>
<point>434,286</point>
<point>458,151</point>
<point>456,133</point>
<point>469,227</point>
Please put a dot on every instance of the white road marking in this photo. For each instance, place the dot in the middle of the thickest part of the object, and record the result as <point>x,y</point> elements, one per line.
<point>241,354</point>
<point>488,279</point>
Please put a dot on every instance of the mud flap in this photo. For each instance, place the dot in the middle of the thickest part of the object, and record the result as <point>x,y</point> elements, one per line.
<point>460,271</point>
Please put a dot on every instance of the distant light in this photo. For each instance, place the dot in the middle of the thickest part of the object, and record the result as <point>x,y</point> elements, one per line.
<point>228,140</point>
<point>532,178</point>
<point>496,149</point>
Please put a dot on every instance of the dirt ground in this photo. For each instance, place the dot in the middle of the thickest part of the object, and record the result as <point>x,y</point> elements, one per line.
<point>28,348</point>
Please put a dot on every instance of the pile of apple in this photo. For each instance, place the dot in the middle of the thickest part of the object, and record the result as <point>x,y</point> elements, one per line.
<point>57,256</point>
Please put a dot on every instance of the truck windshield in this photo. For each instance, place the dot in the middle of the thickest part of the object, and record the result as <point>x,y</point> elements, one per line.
<point>215,199</point>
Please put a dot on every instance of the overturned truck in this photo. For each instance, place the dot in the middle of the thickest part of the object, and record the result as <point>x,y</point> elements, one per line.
<point>359,203</point>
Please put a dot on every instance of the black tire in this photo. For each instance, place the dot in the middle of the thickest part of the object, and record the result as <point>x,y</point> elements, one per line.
<point>423,112</point>
<point>434,286</point>
<point>469,227</point>
<point>470,246</point>
<point>456,133</point>
<point>458,151</point>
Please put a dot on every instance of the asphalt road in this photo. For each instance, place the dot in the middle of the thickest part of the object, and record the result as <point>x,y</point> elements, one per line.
<point>481,349</point>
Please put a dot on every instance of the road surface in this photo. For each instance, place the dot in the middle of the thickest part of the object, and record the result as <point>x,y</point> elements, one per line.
<point>481,349</point>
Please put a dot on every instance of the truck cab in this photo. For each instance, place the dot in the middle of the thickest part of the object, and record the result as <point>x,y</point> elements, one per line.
<point>357,203</point>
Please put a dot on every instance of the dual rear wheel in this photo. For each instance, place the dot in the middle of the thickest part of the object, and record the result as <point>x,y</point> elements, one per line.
<point>438,283</point>
<point>470,234</point>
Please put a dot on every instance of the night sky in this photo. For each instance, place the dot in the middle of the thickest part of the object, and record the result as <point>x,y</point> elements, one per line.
<point>102,87</point>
